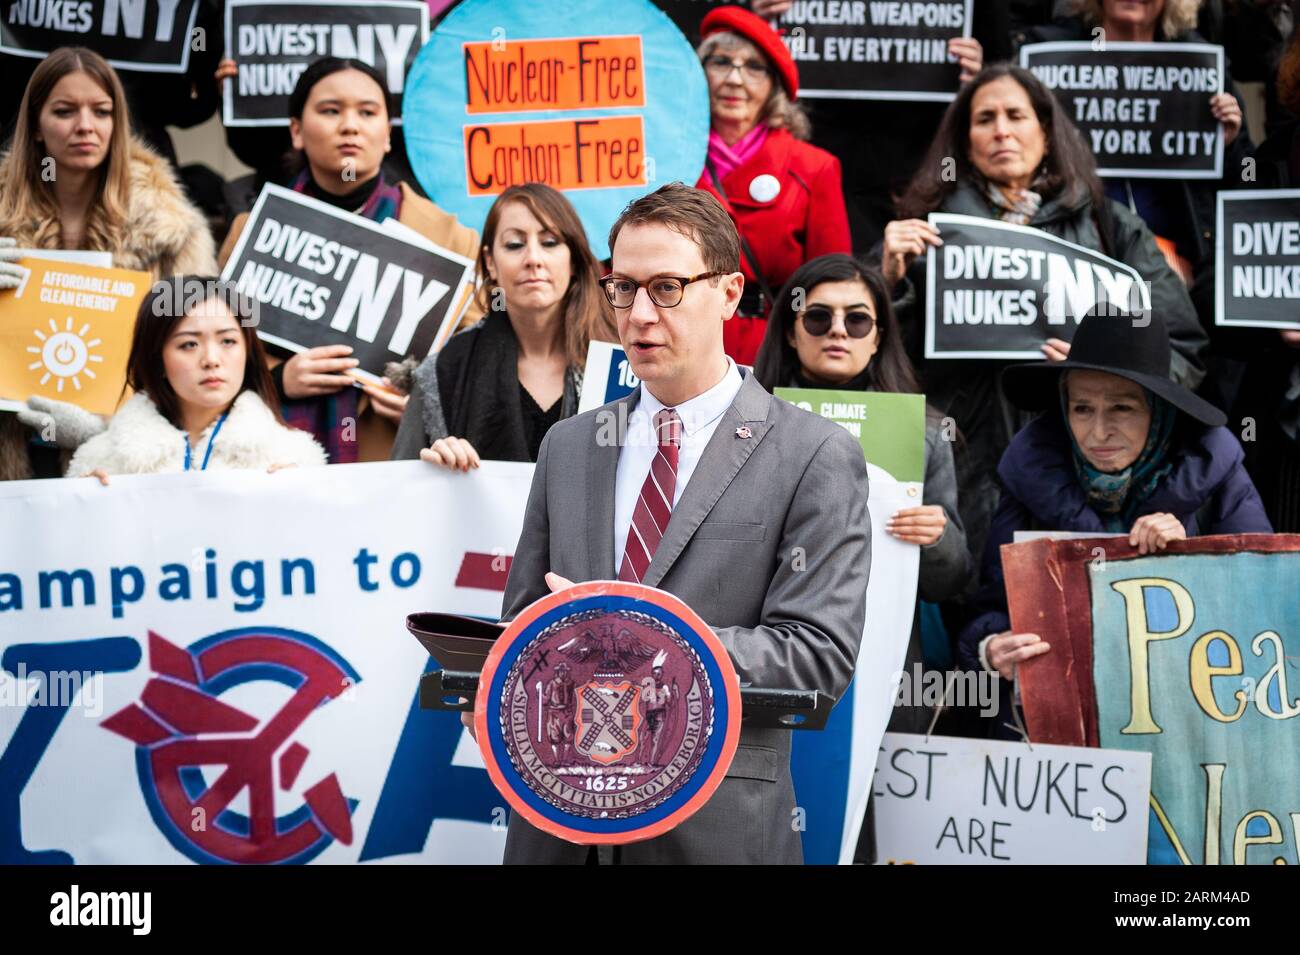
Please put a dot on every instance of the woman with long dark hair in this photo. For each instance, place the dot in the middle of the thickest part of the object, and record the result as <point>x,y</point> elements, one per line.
<point>341,128</point>
<point>1179,211</point>
<point>494,389</point>
<point>1007,151</point>
<point>833,327</point>
<point>202,398</point>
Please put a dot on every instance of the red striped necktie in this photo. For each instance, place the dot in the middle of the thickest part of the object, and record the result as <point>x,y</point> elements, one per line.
<point>655,505</point>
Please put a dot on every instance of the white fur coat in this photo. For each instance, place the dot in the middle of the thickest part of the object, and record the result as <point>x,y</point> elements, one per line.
<point>139,440</point>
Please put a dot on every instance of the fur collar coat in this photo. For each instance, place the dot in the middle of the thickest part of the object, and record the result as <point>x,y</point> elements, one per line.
<point>139,440</point>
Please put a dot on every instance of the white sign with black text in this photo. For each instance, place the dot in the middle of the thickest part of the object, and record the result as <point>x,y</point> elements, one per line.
<point>940,799</point>
<point>1257,259</point>
<point>272,43</point>
<point>326,277</point>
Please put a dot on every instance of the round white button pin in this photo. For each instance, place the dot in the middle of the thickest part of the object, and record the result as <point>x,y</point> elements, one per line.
<point>764,188</point>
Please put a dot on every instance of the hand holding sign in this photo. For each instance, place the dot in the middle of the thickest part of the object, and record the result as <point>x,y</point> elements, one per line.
<point>227,69</point>
<point>922,525</point>
<point>1056,350</point>
<point>387,402</point>
<point>1152,532</point>
<point>1227,111</point>
<point>1007,650</point>
<point>11,274</point>
<point>450,452</point>
<point>318,371</point>
<point>969,54</point>
<point>905,239</point>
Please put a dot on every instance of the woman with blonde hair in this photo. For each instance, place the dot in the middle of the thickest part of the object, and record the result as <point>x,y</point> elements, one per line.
<point>74,177</point>
<point>494,389</point>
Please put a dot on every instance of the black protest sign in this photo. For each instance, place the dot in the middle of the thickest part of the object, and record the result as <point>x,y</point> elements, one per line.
<point>1257,259</point>
<point>996,290</point>
<point>1144,108</point>
<point>325,277</point>
<point>272,43</point>
<point>687,14</point>
<point>151,36</point>
<point>875,49</point>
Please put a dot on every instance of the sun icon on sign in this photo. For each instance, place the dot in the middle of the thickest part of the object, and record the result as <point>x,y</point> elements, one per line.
<point>65,355</point>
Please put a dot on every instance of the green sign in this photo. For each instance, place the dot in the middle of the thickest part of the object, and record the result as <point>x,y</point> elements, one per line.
<point>890,427</point>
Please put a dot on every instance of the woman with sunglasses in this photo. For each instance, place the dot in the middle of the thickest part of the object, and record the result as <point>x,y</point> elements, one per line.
<point>845,337</point>
<point>783,193</point>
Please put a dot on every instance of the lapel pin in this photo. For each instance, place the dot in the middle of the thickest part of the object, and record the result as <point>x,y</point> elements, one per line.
<point>764,188</point>
<point>743,432</point>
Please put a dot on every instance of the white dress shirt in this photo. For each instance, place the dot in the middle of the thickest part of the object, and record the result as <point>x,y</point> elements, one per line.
<point>700,417</point>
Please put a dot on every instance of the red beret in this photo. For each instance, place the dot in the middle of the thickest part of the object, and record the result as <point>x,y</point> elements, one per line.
<point>757,31</point>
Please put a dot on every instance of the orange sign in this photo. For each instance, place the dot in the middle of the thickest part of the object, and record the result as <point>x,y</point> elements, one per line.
<point>572,73</point>
<point>566,154</point>
<point>65,333</point>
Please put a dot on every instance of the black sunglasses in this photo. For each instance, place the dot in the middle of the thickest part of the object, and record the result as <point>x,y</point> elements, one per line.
<point>818,319</point>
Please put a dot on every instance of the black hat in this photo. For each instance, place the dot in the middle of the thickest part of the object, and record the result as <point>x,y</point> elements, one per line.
<point>1133,346</point>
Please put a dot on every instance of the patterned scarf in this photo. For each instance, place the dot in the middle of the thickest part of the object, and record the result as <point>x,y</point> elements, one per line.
<point>726,159</point>
<point>1019,210</point>
<point>328,417</point>
<point>1117,496</point>
<point>384,203</point>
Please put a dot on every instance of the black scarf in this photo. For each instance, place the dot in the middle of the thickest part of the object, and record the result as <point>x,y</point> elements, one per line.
<point>349,202</point>
<point>862,381</point>
<point>479,390</point>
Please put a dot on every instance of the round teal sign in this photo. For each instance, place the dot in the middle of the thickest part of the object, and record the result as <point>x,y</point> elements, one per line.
<point>604,101</point>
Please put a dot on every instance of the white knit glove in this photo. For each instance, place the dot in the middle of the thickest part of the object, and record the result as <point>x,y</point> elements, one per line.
<point>11,274</point>
<point>65,424</point>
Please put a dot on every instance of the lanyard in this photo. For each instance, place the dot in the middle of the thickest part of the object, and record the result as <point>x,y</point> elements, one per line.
<point>211,441</point>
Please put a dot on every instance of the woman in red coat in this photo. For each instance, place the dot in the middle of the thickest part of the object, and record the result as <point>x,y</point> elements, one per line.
<point>783,193</point>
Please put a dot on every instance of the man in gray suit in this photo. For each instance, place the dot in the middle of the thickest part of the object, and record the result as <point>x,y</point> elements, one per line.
<point>762,506</point>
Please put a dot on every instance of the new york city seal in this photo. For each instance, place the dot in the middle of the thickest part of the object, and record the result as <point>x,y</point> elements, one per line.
<point>607,713</point>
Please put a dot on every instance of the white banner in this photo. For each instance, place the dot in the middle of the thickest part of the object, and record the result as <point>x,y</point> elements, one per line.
<point>224,654</point>
<point>953,801</point>
<point>173,652</point>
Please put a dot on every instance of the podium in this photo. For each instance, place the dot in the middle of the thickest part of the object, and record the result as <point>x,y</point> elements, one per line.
<point>461,644</point>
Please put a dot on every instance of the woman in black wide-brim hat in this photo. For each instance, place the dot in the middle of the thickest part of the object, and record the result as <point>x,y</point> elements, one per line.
<point>1119,448</point>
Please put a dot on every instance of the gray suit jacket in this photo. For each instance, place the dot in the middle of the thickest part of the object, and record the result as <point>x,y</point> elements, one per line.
<point>770,544</point>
